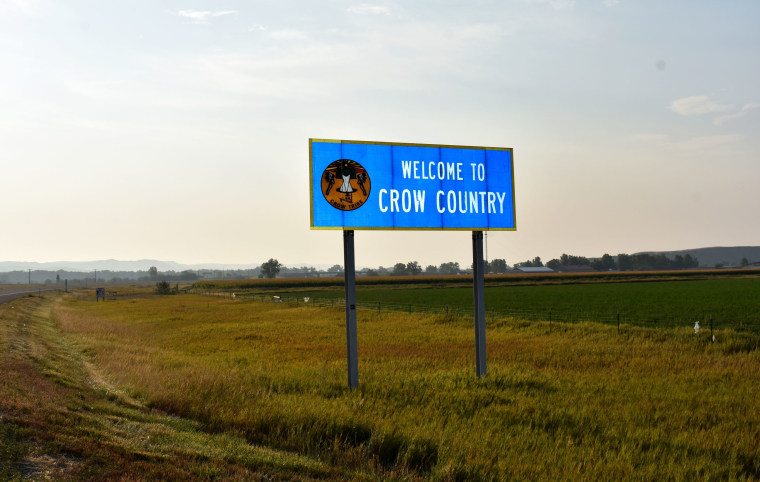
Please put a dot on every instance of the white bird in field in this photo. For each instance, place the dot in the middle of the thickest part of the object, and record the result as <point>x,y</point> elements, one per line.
<point>696,327</point>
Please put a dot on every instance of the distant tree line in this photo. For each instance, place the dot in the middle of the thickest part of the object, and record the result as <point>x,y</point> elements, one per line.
<point>626,262</point>
<point>534,263</point>
<point>621,262</point>
<point>655,261</point>
<point>413,268</point>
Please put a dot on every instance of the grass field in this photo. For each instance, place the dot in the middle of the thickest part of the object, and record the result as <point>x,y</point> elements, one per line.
<point>62,419</point>
<point>579,401</point>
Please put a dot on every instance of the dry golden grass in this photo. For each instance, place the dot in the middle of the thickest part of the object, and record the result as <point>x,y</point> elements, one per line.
<point>60,419</point>
<point>578,402</point>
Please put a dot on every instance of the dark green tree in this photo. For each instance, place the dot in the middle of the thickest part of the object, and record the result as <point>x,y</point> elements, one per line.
<point>451,267</point>
<point>163,288</point>
<point>605,263</point>
<point>624,262</point>
<point>271,268</point>
<point>690,262</point>
<point>497,266</point>
<point>399,269</point>
<point>413,268</point>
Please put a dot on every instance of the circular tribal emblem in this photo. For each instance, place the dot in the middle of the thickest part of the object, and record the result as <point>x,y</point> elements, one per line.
<point>345,184</point>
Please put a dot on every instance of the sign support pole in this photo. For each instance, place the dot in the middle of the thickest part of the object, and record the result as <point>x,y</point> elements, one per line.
<point>349,270</point>
<point>479,302</point>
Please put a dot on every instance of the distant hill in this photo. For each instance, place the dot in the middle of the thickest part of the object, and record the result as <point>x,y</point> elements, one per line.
<point>711,257</point>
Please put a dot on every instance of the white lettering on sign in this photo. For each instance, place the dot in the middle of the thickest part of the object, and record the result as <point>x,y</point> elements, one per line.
<point>451,201</point>
<point>419,201</point>
<point>451,171</point>
<point>383,207</point>
<point>410,199</point>
<point>473,202</point>
<point>481,171</point>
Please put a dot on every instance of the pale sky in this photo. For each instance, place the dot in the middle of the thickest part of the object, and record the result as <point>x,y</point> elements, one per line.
<point>178,130</point>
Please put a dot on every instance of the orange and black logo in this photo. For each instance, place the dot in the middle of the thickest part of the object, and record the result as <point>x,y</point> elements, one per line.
<point>346,184</point>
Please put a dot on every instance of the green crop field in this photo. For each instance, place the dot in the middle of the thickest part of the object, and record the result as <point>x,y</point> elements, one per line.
<point>729,302</point>
<point>193,387</point>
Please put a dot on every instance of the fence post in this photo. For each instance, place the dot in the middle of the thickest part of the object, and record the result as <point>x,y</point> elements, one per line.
<point>378,307</point>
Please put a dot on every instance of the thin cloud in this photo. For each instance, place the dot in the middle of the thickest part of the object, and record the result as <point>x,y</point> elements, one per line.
<point>367,9</point>
<point>697,105</point>
<point>719,121</point>
<point>202,16</point>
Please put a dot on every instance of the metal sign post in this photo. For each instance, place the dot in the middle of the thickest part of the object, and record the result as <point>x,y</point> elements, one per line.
<point>349,270</point>
<point>479,302</point>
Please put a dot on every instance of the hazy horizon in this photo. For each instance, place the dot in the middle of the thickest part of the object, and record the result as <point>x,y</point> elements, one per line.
<point>707,257</point>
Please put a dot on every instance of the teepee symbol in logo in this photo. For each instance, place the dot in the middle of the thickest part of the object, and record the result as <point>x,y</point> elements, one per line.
<point>345,184</point>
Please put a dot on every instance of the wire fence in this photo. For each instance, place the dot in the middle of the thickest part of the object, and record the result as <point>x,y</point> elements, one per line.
<point>499,317</point>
